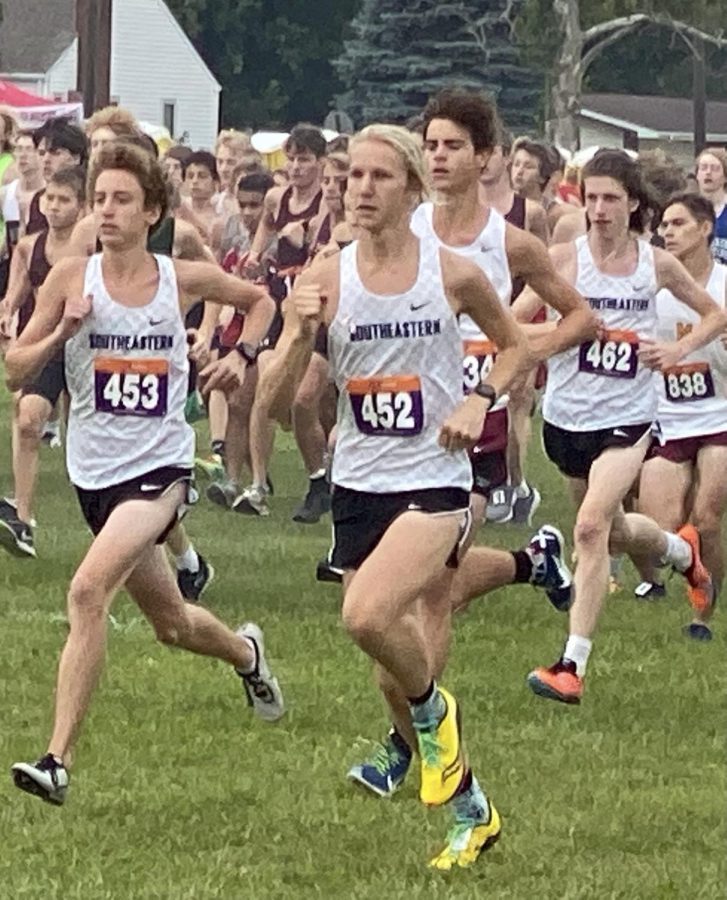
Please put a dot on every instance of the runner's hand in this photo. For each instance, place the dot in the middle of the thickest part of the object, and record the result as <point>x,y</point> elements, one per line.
<point>660,355</point>
<point>75,311</point>
<point>464,427</point>
<point>294,232</point>
<point>198,347</point>
<point>309,303</point>
<point>6,323</point>
<point>226,375</point>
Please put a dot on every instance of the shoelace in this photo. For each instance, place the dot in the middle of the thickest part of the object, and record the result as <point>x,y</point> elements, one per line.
<point>385,757</point>
<point>459,834</point>
<point>260,688</point>
<point>429,747</point>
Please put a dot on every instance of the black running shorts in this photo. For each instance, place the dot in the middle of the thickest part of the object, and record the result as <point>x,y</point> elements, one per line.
<point>50,383</point>
<point>360,519</point>
<point>574,452</point>
<point>97,505</point>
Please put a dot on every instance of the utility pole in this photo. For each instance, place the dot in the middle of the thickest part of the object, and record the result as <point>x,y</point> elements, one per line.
<point>93,26</point>
<point>699,96</point>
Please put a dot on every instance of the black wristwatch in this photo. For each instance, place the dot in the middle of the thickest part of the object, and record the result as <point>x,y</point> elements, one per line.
<point>249,352</point>
<point>487,391</point>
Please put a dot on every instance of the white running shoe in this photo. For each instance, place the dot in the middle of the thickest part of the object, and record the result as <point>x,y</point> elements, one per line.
<point>47,779</point>
<point>253,501</point>
<point>261,686</point>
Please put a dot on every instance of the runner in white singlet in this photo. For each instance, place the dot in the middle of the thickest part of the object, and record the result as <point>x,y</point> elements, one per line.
<point>401,474</point>
<point>601,402</point>
<point>684,476</point>
<point>120,317</point>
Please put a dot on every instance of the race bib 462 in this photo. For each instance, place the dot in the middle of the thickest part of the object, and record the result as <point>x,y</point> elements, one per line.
<point>131,387</point>
<point>615,355</point>
<point>390,406</point>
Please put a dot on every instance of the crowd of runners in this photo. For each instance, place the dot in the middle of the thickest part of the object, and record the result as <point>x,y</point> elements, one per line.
<point>403,300</point>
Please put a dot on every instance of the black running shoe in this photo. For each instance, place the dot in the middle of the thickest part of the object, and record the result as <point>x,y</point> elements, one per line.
<point>194,584</point>
<point>47,779</point>
<point>697,631</point>
<point>317,502</point>
<point>326,572</point>
<point>16,536</point>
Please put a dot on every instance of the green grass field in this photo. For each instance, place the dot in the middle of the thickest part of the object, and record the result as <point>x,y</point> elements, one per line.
<point>178,792</point>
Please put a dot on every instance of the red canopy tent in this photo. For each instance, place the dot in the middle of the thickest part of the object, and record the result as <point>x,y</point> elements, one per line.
<point>32,110</point>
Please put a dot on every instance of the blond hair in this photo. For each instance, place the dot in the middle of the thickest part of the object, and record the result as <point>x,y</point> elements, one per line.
<point>237,141</point>
<point>718,153</point>
<point>119,120</point>
<point>11,129</point>
<point>407,147</point>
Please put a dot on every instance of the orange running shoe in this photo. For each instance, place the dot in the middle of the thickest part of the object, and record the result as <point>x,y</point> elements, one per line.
<point>559,682</point>
<point>700,589</point>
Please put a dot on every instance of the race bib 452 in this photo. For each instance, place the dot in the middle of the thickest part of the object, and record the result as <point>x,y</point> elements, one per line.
<point>390,406</point>
<point>615,355</point>
<point>131,387</point>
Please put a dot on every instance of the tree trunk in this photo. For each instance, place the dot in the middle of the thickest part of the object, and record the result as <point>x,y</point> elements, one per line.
<point>565,92</point>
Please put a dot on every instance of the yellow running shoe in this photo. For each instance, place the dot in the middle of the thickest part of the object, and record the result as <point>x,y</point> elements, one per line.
<point>465,842</point>
<point>442,756</point>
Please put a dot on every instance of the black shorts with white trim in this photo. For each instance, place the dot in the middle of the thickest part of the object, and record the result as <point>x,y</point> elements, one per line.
<point>574,452</point>
<point>97,505</point>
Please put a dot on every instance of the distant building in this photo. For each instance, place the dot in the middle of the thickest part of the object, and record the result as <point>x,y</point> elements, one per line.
<point>155,70</point>
<point>645,123</point>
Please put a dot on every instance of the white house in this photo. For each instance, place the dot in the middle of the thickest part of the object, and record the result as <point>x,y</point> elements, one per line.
<point>155,71</point>
<point>645,123</point>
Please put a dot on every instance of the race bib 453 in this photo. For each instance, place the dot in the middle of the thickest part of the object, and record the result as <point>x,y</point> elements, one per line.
<point>615,355</point>
<point>390,406</point>
<point>131,387</point>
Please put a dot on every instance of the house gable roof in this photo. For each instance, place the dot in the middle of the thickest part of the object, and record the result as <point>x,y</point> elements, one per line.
<point>659,115</point>
<point>34,33</point>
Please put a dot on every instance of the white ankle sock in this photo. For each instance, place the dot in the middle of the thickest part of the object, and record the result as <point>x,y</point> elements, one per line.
<point>522,490</point>
<point>678,552</point>
<point>577,650</point>
<point>188,560</point>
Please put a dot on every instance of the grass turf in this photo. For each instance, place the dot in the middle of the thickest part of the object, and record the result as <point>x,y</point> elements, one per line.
<point>179,793</point>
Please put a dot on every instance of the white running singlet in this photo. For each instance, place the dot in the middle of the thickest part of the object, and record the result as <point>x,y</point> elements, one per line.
<point>11,206</point>
<point>692,395</point>
<point>127,371</point>
<point>602,384</point>
<point>397,363</point>
<point>488,252</point>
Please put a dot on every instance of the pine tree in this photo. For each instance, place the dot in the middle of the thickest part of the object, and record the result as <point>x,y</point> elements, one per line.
<point>402,51</point>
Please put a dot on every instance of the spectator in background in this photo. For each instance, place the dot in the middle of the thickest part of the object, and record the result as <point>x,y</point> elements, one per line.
<point>230,147</point>
<point>202,181</point>
<point>8,131</point>
<point>569,190</point>
<point>107,124</point>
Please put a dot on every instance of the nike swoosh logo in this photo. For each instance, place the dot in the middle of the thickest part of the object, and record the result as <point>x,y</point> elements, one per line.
<point>154,322</point>
<point>618,433</point>
<point>150,487</point>
<point>640,287</point>
<point>415,306</point>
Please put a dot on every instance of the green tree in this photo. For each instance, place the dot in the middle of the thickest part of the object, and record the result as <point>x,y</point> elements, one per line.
<point>400,52</point>
<point>272,57</point>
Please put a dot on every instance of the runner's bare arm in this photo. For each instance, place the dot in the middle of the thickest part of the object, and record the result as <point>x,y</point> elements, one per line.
<point>266,229</point>
<point>473,294</point>
<point>189,245</point>
<point>536,222</point>
<point>60,309</point>
<point>304,312</point>
<point>19,278</point>
<point>83,238</point>
<point>671,274</point>
<point>207,281</point>
<point>569,227</point>
<point>544,273</point>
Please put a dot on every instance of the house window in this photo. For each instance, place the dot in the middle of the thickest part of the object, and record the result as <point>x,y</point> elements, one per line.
<point>169,115</point>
